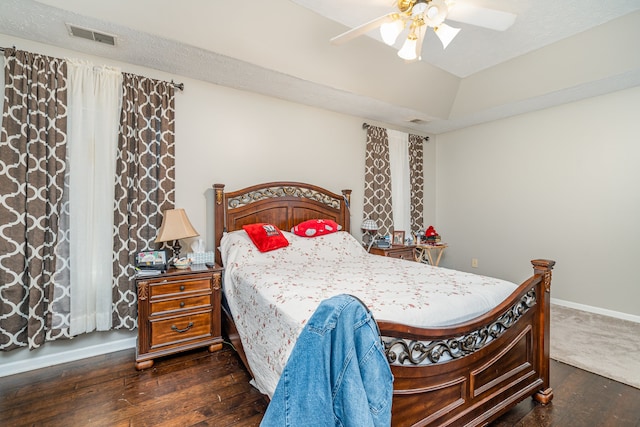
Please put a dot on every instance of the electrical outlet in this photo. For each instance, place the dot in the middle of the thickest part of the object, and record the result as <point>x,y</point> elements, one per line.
<point>474,262</point>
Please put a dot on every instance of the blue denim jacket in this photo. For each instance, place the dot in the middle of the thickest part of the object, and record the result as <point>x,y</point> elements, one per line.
<point>337,373</point>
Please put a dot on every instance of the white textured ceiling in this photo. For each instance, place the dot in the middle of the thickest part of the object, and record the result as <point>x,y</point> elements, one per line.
<point>281,48</point>
<point>539,23</point>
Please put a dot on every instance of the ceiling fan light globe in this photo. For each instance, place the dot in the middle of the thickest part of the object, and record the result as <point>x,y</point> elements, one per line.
<point>390,31</point>
<point>446,34</point>
<point>419,8</point>
<point>436,13</point>
<point>408,50</point>
<point>432,12</point>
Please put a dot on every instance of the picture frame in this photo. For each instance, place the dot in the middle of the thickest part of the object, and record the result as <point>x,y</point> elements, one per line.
<point>398,237</point>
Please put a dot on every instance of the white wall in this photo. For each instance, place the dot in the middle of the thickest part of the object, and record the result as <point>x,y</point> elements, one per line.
<point>238,139</point>
<point>561,183</point>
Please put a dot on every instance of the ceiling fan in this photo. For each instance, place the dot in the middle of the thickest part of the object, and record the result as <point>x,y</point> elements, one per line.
<point>418,15</point>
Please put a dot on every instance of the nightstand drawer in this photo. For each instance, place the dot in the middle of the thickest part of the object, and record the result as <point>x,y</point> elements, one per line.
<point>403,254</point>
<point>178,304</point>
<point>396,251</point>
<point>179,329</point>
<point>166,287</point>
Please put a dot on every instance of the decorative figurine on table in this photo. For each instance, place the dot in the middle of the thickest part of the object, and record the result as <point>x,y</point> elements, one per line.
<point>431,236</point>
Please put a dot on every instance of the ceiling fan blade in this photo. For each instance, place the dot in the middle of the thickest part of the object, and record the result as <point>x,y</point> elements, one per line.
<point>362,29</point>
<point>487,18</point>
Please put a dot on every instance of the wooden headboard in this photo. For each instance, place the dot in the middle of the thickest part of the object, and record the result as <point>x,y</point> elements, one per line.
<point>283,204</point>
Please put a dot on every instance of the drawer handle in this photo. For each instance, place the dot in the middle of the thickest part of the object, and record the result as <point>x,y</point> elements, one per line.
<point>181,304</point>
<point>181,287</point>
<point>175,328</point>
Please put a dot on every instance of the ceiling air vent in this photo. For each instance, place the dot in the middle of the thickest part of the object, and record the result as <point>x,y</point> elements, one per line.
<point>89,34</point>
<point>418,121</point>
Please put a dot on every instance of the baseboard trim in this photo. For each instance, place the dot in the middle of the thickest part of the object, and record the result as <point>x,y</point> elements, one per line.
<point>596,310</point>
<point>71,355</point>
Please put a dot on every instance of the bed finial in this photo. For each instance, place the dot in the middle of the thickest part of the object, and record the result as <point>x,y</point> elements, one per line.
<point>544,267</point>
<point>218,219</point>
<point>346,195</point>
<point>218,196</point>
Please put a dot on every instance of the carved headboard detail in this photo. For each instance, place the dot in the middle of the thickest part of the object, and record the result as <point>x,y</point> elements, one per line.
<point>283,204</point>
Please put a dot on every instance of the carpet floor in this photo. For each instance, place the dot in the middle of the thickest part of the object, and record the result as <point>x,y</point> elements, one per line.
<point>600,344</point>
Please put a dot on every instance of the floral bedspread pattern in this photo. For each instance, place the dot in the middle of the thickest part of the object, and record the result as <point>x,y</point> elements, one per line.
<point>271,295</point>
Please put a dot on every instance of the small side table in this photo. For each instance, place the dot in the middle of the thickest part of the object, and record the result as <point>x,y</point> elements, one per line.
<point>425,253</point>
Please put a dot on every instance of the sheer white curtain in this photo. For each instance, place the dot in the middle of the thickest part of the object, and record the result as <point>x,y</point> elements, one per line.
<point>400,181</point>
<point>94,105</point>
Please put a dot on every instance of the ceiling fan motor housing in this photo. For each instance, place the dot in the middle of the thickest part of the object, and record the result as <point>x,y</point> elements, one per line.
<point>432,12</point>
<point>406,5</point>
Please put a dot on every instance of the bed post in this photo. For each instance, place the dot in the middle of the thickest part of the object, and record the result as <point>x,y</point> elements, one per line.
<point>543,268</point>
<point>218,217</point>
<point>345,207</point>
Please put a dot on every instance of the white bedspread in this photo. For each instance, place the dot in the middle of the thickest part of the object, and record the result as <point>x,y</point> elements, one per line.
<point>271,295</point>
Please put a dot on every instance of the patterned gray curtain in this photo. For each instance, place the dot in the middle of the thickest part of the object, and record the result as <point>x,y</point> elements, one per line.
<point>145,182</point>
<point>416,177</point>
<point>32,170</point>
<point>377,180</point>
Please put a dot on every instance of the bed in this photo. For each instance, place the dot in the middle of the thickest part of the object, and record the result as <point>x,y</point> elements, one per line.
<point>467,372</point>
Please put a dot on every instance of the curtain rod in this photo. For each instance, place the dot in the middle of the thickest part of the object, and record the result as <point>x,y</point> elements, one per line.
<point>179,86</point>
<point>366,125</point>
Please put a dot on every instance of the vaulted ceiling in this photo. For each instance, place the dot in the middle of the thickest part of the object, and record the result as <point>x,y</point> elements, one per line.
<point>556,51</point>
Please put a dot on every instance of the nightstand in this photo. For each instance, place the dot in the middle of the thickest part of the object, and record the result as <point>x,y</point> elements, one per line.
<point>395,251</point>
<point>178,310</point>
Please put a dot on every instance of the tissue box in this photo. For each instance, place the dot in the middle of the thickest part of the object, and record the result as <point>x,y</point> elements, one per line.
<point>201,257</point>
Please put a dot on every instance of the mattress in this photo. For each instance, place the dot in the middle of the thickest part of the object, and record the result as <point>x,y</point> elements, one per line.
<point>271,295</point>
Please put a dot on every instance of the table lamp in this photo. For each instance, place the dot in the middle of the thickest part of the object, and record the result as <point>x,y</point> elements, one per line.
<point>369,228</point>
<point>175,226</point>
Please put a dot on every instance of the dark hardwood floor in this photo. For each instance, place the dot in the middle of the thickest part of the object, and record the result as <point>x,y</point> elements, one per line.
<point>202,389</point>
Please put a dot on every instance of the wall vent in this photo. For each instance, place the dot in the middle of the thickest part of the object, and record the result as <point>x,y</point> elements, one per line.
<point>89,34</point>
<point>418,121</point>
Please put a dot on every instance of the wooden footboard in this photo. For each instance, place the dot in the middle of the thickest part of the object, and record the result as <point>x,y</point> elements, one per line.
<point>495,361</point>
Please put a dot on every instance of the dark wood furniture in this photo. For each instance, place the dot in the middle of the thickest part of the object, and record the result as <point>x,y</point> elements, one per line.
<point>178,310</point>
<point>395,251</point>
<point>495,360</point>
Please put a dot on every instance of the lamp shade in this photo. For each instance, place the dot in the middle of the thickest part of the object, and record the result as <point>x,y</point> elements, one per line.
<point>446,33</point>
<point>369,225</point>
<point>175,226</point>
<point>389,31</point>
<point>408,50</point>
